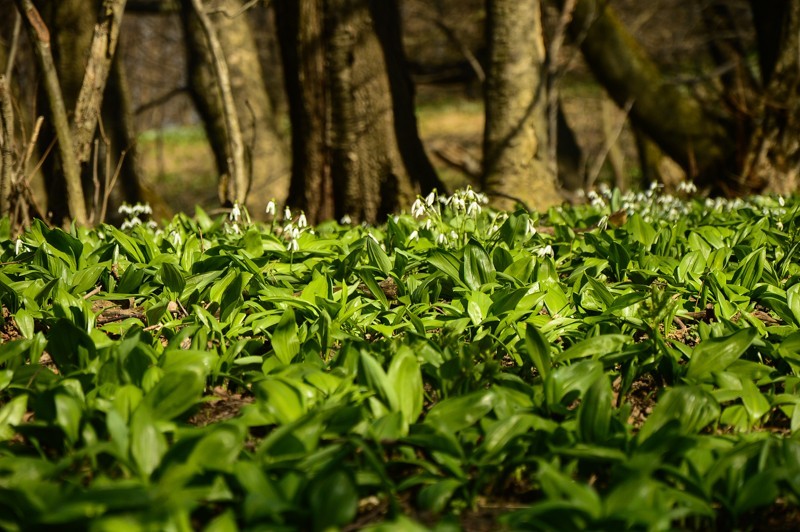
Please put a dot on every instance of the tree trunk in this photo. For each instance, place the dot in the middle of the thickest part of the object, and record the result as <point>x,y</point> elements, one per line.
<point>266,158</point>
<point>680,124</point>
<point>515,137</point>
<point>355,146</point>
<point>773,157</point>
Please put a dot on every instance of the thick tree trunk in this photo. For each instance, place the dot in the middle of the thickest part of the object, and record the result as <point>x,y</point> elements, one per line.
<point>773,157</point>
<point>680,124</point>
<point>355,146</point>
<point>266,157</point>
<point>515,137</point>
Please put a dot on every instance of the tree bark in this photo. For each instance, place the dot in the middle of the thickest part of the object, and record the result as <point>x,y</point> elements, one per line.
<point>516,166</point>
<point>773,156</point>
<point>40,38</point>
<point>355,147</point>
<point>681,125</point>
<point>265,153</point>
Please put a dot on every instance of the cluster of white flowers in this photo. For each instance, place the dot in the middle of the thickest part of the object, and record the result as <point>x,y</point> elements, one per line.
<point>294,228</point>
<point>463,201</point>
<point>134,214</point>
<point>651,204</point>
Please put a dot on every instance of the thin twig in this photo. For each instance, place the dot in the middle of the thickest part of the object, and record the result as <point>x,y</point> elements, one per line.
<point>12,52</point>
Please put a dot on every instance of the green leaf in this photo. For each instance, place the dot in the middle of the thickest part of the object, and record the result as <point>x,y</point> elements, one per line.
<point>597,347</point>
<point>376,380</point>
<point>284,340</point>
<point>750,269</point>
<point>232,299</point>
<point>446,263</point>
<point>594,413</point>
<point>148,444</point>
<point>24,323</point>
<point>477,268</point>
<point>716,354</point>
<point>174,394</point>
<point>537,348</point>
<point>405,377</point>
<point>691,406</point>
<point>434,498</point>
<point>281,399</point>
<point>457,413</point>
<point>333,500</point>
<point>172,278</point>
<point>377,257</point>
<point>12,414</point>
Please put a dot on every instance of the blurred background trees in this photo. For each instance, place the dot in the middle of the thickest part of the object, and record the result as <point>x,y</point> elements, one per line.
<point>356,106</point>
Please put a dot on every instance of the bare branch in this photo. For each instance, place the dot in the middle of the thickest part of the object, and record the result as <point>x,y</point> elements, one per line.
<point>12,53</point>
<point>6,142</point>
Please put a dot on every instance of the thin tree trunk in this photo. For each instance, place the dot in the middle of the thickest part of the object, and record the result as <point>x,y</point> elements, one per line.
<point>239,177</point>
<point>101,54</point>
<point>516,167</point>
<point>40,38</point>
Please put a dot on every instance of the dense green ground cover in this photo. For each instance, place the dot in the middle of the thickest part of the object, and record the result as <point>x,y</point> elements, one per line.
<point>454,366</point>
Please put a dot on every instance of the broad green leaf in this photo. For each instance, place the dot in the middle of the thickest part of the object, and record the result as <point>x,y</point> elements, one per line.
<point>477,268</point>
<point>376,380</point>
<point>12,413</point>
<point>434,497</point>
<point>172,278</point>
<point>333,500</point>
<point>691,406</point>
<point>754,401</point>
<point>148,444</point>
<point>406,379</point>
<point>377,256</point>
<point>282,400</point>
<point>446,263</point>
<point>174,394</point>
<point>24,323</point>
<point>457,413</point>
<point>594,413</point>
<point>596,347</point>
<point>716,354</point>
<point>284,340</point>
<point>538,349</point>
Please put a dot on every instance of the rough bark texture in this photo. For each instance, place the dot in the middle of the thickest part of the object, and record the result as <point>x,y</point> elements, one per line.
<point>773,157</point>
<point>666,112</point>
<point>266,158</point>
<point>515,138</point>
<point>355,146</point>
<point>57,105</point>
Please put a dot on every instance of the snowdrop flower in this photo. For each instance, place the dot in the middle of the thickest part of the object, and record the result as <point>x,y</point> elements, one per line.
<point>781,201</point>
<point>130,224</point>
<point>176,238</point>
<point>236,213</point>
<point>547,250</point>
<point>687,186</point>
<point>418,209</point>
<point>125,209</point>
<point>441,240</point>
<point>603,223</point>
<point>287,213</point>
<point>18,246</point>
<point>293,245</point>
<point>779,225</point>
<point>413,236</point>
<point>430,198</point>
<point>428,224</point>
<point>459,204</point>
<point>152,225</point>
<point>474,209</point>
<point>271,207</point>
<point>530,228</point>
<point>346,220</point>
<point>302,221</point>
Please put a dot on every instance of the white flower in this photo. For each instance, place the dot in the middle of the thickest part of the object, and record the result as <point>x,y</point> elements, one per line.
<point>459,204</point>
<point>125,209</point>
<point>441,239</point>
<point>474,209</point>
<point>418,209</point>
<point>293,245</point>
<point>603,223</point>
<point>18,246</point>
<point>547,250</point>
<point>779,225</point>
<point>176,238</point>
<point>453,235</point>
<point>346,220</point>
<point>234,228</point>
<point>687,186</point>
<point>236,213</point>
<point>414,235</point>
<point>428,224</point>
<point>781,201</point>
<point>302,221</point>
<point>430,198</point>
<point>287,213</point>
<point>271,207</point>
<point>152,225</point>
<point>530,228</point>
